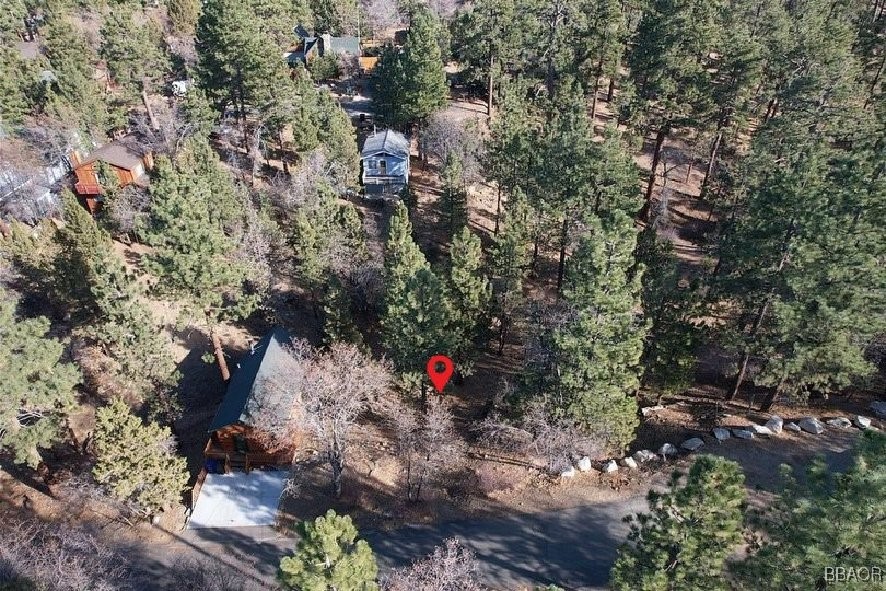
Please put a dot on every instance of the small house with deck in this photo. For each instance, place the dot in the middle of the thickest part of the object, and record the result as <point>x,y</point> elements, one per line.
<point>128,163</point>
<point>385,162</point>
<point>256,401</point>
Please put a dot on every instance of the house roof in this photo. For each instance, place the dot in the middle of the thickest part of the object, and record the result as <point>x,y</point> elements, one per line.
<point>386,142</point>
<point>249,390</point>
<point>120,153</point>
<point>349,45</point>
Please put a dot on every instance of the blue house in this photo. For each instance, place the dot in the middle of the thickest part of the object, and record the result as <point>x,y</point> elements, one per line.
<point>385,159</point>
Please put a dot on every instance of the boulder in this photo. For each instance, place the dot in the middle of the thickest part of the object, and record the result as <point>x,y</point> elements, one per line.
<point>568,473</point>
<point>792,426</point>
<point>721,434</point>
<point>760,430</point>
<point>743,433</point>
<point>775,424</point>
<point>610,467</point>
<point>668,449</point>
<point>879,408</point>
<point>584,464</point>
<point>841,422</point>
<point>693,444</point>
<point>644,455</point>
<point>862,422</point>
<point>651,410</point>
<point>812,425</point>
<point>629,462</point>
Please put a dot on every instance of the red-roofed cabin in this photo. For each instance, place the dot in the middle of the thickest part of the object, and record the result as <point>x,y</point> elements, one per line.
<point>128,163</point>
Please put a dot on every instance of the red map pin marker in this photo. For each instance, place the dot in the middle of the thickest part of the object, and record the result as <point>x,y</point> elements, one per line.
<point>440,369</point>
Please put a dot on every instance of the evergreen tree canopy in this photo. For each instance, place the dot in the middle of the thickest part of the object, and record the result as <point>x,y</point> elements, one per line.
<point>38,385</point>
<point>410,85</point>
<point>329,557</point>
<point>823,520</point>
<point>683,543</point>
<point>134,51</point>
<point>72,96</point>
<point>193,255</point>
<point>137,462</point>
<point>592,369</point>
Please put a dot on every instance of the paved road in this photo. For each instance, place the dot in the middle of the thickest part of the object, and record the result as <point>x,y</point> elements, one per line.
<point>573,547</point>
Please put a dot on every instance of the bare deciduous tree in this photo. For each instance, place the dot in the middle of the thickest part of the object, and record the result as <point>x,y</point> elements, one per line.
<point>332,389</point>
<point>450,567</point>
<point>254,244</point>
<point>553,441</point>
<point>383,16</point>
<point>450,140</point>
<point>301,187</point>
<point>59,557</point>
<point>427,443</point>
<point>129,209</point>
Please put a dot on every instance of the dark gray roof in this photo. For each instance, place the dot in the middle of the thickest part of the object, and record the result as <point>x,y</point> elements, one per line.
<point>249,389</point>
<point>386,142</point>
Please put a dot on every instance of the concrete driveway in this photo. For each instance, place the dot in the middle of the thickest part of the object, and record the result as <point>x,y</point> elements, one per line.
<point>238,500</point>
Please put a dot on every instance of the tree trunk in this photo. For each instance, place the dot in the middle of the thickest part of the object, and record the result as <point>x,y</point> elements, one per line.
<point>598,73</point>
<point>282,153</point>
<point>771,396</point>
<point>338,467</point>
<point>712,157</point>
<point>561,265</point>
<point>610,94</point>
<point>489,83</point>
<point>497,211</point>
<point>758,321</point>
<point>219,354</point>
<point>656,156</point>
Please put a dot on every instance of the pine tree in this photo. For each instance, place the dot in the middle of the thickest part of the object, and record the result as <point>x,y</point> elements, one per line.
<point>403,259</point>
<point>107,300</point>
<point>469,292</point>
<point>669,351</point>
<point>511,146</point>
<point>193,257</point>
<point>38,387</point>
<point>387,82</point>
<point>820,521</point>
<point>135,52</point>
<point>418,322</point>
<point>614,177</point>
<point>593,369</point>
<point>329,556</point>
<point>510,260</point>
<point>18,86</point>
<point>671,71</point>
<point>338,138</point>
<point>339,325</point>
<point>487,35</point>
<point>73,97</point>
<point>683,543</point>
<point>183,16</point>
<point>411,85</point>
<point>800,264</point>
<point>238,65</point>
<point>328,240</point>
<point>136,462</point>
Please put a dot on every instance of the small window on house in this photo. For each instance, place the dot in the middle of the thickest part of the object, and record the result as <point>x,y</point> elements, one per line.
<point>383,167</point>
